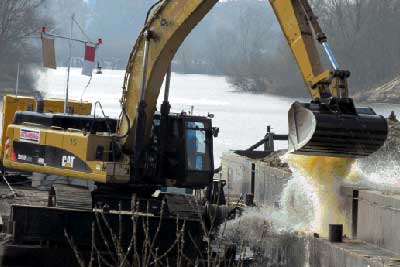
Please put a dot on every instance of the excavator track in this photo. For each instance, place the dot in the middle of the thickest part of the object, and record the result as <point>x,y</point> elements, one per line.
<point>73,197</point>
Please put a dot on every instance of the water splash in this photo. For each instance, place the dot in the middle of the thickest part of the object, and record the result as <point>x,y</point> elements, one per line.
<point>272,233</point>
<point>250,227</point>
<point>299,207</point>
<point>298,211</point>
<point>309,202</point>
<point>381,170</point>
<point>384,176</point>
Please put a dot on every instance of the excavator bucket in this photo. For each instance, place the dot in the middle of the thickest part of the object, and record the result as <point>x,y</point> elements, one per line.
<point>336,129</point>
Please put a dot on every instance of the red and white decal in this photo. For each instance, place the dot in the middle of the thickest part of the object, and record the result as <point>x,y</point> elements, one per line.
<point>29,135</point>
<point>7,151</point>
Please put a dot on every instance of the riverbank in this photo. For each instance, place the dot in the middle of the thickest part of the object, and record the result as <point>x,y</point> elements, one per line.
<point>386,93</point>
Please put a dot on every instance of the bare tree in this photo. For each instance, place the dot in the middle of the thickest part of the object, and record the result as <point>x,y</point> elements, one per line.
<point>20,24</point>
<point>365,36</point>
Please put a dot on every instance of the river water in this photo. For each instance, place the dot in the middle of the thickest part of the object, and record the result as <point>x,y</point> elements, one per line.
<point>241,117</point>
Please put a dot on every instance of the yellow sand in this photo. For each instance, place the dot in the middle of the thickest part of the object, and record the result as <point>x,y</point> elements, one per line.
<point>326,175</point>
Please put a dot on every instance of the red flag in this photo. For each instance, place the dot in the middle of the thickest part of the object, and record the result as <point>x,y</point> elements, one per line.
<point>90,52</point>
<point>90,55</point>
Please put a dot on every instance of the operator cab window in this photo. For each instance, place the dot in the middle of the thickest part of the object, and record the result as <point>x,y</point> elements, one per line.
<point>196,148</point>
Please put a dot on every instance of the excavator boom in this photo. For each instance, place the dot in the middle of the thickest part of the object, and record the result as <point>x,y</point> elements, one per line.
<point>164,31</point>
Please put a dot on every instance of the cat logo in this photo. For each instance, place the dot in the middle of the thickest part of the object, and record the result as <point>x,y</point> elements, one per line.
<point>67,161</point>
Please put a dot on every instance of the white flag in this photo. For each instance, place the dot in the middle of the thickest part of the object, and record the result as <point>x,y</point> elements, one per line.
<point>48,52</point>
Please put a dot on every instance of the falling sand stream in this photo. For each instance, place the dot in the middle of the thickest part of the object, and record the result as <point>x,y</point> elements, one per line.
<point>325,175</point>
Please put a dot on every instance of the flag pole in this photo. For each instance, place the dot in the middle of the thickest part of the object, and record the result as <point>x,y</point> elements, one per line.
<point>70,39</point>
<point>17,81</point>
<point>69,65</point>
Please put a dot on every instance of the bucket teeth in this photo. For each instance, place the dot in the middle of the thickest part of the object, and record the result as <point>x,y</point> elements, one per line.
<point>329,130</point>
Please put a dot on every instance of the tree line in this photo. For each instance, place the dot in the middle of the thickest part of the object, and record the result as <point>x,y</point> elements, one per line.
<point>246,45</point>
<point>238,39</point>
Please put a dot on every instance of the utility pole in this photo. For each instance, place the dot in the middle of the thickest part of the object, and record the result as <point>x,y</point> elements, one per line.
<point>69,65</point>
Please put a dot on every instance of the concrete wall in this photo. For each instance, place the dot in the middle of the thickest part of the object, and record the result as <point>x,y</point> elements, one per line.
<point>269,184</point>
<point>269,181</point>
<point>348,254</point>
<point>236,170</point>
<point>379,219</point>
<point>287,250</point>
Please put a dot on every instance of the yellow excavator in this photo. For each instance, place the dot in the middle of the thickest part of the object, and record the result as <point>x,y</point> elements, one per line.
<point>145,149</point>
<point>150,148</point>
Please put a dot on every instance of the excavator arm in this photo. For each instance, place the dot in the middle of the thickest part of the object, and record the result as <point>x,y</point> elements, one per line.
<point>144,148</point>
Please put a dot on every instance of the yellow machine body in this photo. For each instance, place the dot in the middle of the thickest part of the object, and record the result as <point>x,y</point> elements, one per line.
<point>13,103</point>
<point>61,152</point>
<point>54,105</point>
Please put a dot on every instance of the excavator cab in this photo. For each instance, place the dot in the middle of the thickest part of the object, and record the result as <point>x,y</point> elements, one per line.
<point>187,158</point>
